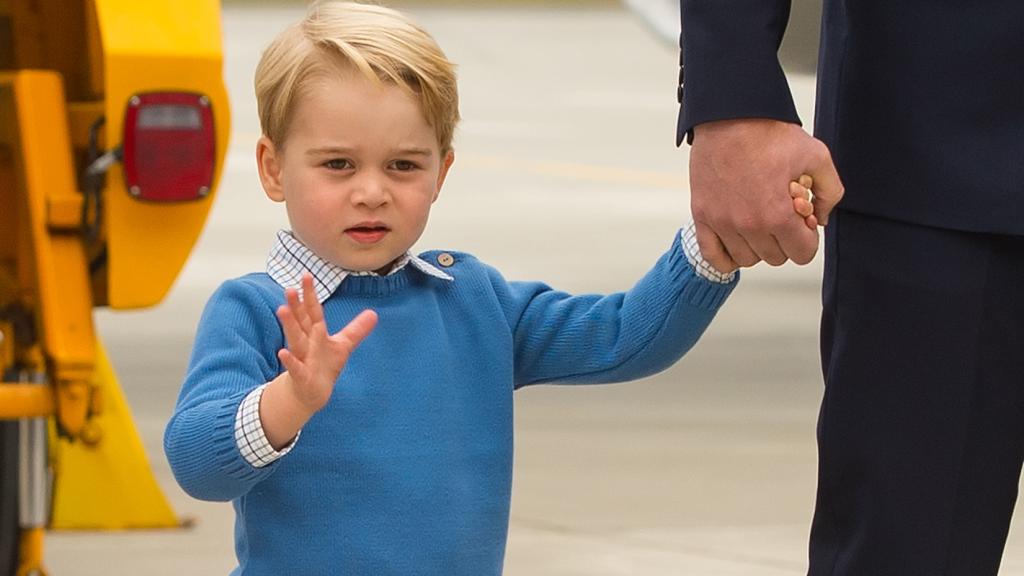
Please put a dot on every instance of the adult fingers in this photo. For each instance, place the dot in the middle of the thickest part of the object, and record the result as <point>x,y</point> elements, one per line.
<point>739,250</point>
<point>765,247</point>
<point>713,251</point>
<point>798,241</point>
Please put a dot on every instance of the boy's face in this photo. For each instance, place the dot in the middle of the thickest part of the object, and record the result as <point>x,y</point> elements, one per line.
<point>358,172</point>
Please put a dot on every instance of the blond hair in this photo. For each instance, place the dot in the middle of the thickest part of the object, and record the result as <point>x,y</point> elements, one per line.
<point>382,44</point>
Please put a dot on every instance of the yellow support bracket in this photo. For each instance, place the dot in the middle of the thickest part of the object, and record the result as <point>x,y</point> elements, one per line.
<point>104,480</point>
<point>19,400</point>
<point>52,264</point>
<point>31,553</point>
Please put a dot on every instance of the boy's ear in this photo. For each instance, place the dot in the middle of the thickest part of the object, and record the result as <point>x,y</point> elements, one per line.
<point>268,160</point>
<point>446,163</point>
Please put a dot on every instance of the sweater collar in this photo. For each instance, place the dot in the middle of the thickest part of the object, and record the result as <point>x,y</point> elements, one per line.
<point>289,258</point>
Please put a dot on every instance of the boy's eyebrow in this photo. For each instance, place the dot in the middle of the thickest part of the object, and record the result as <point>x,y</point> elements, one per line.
<point>415,151</point>
<point>329,150</point>
<point>405,150</point>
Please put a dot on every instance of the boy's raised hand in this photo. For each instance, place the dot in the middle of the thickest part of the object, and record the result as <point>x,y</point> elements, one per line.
<point>314,359</point>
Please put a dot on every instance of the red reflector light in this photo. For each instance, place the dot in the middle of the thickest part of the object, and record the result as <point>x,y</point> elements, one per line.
<point>168,146</point>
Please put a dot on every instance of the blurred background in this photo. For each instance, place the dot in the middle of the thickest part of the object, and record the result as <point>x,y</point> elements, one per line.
<point>566,172</point>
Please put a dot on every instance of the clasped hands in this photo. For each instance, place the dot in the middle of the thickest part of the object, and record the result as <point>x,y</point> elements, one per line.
<point>749,183</point>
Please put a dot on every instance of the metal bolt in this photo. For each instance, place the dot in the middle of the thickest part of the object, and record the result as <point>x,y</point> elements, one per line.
<point>204,101</point>
<point>135,191</point>
<point>91,433</point>
<point>134,101</point>
<point>204,191</point>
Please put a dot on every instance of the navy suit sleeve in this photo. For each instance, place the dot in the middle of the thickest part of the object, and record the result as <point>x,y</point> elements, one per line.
<point>729,64</point>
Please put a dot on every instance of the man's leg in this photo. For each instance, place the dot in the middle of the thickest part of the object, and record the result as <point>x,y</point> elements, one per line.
<point>921,431</point>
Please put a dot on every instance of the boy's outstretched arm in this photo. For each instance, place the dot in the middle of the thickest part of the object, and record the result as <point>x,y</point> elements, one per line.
<point>591,338</point>
<point>313,360</point>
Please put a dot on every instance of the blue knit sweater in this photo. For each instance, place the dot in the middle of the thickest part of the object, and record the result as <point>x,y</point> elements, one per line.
<point>408,468</point>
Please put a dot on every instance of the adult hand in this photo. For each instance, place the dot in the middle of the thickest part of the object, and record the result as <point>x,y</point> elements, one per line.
<point>740,172</point>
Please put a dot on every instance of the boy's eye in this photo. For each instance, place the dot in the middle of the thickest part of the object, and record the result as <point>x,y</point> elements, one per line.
<point>338,164</point>
<point>404,165</point>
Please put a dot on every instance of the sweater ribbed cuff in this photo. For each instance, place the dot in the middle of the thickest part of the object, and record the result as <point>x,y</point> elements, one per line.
<point>206,459</point>
<point>698,291</point>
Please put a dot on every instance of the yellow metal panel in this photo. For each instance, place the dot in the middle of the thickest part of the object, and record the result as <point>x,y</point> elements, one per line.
<point>107,483</point>
<point>58,275</point>
<point>156,46</point>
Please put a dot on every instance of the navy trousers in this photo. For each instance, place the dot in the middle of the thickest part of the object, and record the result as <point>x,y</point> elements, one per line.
<point>921,430</point>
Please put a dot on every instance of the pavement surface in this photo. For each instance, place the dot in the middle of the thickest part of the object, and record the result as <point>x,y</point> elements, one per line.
<point>566,171</point>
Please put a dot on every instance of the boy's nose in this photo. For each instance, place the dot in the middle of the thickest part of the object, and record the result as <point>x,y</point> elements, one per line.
<point>370,192</point>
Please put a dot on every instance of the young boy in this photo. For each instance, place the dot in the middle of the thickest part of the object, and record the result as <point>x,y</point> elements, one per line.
<point>351,452</point>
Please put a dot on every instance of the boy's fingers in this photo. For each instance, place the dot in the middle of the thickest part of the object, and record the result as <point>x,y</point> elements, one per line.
<point>290,362</point>
<point>797,190</point>
<point>800,191</point>
<point>298,312</point>
<point>803,207</point>
<point>294,336</point>
<point>313,310</point>
<point>359,328</point>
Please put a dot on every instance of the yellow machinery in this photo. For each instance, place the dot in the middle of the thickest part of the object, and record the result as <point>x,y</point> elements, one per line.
<point>113,127</point>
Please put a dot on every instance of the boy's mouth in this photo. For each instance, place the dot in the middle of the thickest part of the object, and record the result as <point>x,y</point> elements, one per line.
<point>367,232</point>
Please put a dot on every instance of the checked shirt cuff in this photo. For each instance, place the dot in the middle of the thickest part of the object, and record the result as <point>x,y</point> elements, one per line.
<point>249,435</point>
<point>701,267</point>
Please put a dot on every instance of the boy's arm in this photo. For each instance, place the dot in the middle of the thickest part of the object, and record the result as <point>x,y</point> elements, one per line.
<point>233,354</point>
<point>613,338</point>
<point>624,336</point>
<point>237,407</point>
